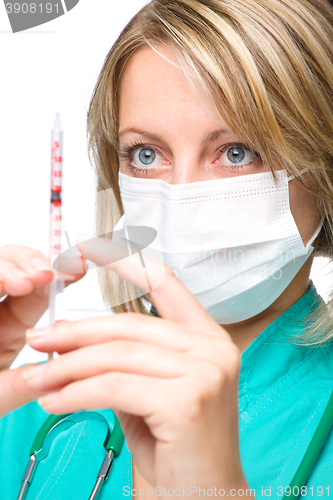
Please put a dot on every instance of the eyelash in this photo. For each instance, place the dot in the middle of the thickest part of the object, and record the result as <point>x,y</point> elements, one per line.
<point>127,154</point>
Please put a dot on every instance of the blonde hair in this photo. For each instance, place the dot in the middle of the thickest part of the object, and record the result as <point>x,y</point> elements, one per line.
<point>280,104</point>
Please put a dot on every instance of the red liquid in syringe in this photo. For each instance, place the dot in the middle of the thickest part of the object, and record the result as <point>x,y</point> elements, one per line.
<point>56,189</point>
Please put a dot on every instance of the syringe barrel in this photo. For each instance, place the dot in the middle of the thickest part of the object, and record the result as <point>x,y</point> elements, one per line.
<point>56,191</point>
<point>56,161</point>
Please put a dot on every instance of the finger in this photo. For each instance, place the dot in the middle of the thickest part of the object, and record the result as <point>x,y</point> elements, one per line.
<point>24,304</point>
<point>140,441</point>
<point>21,270</point>
<point>119,356</point>
<point>135,394</point>
<point>29,260</point>
<point>70,263</point>
<point>171,298</point>
<point>14,280</point>
<point>19,313</point>
<point>26,301</point>
<point>65,336</point>
<point>14,390</point>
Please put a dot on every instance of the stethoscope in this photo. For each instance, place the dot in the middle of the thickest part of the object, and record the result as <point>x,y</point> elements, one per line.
<point>44,438</point>
<point>114,441</point>
<point>312,453</point>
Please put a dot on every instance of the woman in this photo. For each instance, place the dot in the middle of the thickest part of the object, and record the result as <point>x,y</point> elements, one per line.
<point>224,390</point>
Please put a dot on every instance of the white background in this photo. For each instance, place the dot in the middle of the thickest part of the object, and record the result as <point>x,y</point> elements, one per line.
<point>44,70</point>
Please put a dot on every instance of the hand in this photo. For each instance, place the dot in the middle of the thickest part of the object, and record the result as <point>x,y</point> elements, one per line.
<point>23,274</point>
<point>172,381</point>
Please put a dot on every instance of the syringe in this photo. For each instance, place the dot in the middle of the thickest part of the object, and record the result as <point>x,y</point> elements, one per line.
<point>56,189</point>
<point>57,284</point>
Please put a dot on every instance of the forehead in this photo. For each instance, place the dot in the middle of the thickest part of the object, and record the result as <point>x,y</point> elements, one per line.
<point>153,85</point>
<point>147,67</point>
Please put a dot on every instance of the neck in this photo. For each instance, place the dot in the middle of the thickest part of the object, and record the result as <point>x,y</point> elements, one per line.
<point>244,333</point>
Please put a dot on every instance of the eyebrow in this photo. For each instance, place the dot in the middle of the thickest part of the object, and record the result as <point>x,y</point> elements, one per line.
<point>208,137</point>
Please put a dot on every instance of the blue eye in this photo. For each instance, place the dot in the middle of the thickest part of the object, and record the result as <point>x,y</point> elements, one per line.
<point>147,156</point>
<point>236,155</point>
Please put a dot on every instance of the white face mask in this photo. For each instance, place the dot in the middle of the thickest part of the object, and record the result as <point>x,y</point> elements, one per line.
<point>233,242</point>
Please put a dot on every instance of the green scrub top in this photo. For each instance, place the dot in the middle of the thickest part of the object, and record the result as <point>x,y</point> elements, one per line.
<point>283,391</point>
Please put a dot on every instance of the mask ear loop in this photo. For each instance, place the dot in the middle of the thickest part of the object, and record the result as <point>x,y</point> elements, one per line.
<point>301,172</point>
<point>290,178</point>
<point>316,233</point>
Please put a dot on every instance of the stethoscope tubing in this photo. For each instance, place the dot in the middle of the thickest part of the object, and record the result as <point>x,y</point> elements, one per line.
<point>312,453</point>
<point>42,442</point>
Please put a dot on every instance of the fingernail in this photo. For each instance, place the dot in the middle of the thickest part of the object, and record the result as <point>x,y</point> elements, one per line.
<point>34,371</point>
<point>37,332</point>
<point>18,273</point>
<point>39,264</point>
<point>50,398</point>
